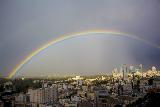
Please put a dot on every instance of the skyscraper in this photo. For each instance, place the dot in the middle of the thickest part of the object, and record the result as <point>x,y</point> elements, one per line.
<point>125,71</point>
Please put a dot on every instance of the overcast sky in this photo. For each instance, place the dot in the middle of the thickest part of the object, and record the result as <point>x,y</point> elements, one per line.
<point>26,25</point>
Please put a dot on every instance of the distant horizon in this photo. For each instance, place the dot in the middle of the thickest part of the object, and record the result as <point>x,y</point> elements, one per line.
<point>67,76</point>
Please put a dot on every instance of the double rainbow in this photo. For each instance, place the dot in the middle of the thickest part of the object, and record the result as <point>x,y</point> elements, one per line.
<point>68,36</point>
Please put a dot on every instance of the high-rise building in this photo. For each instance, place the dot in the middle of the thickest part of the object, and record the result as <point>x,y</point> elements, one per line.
<point>54,92</point>
<point>36,96</point>
<point>44,95</point>
<point>125,71</point>
<point>101,97</point>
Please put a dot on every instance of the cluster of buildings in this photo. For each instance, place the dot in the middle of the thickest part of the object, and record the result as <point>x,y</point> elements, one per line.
<point>78,93</point>
<point>122,88</point>
<point>41,97</point>
<point>128,72</point>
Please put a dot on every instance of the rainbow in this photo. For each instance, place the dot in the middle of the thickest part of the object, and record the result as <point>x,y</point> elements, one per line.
<point>68,36</point>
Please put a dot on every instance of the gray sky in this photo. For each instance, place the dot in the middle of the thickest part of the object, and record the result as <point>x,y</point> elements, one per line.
<point>26,24</point>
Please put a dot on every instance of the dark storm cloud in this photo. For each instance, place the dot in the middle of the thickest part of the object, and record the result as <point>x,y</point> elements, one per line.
<point>27,24</point>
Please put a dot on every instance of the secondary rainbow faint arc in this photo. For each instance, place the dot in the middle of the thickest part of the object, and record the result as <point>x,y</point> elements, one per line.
<point>71,35</point>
